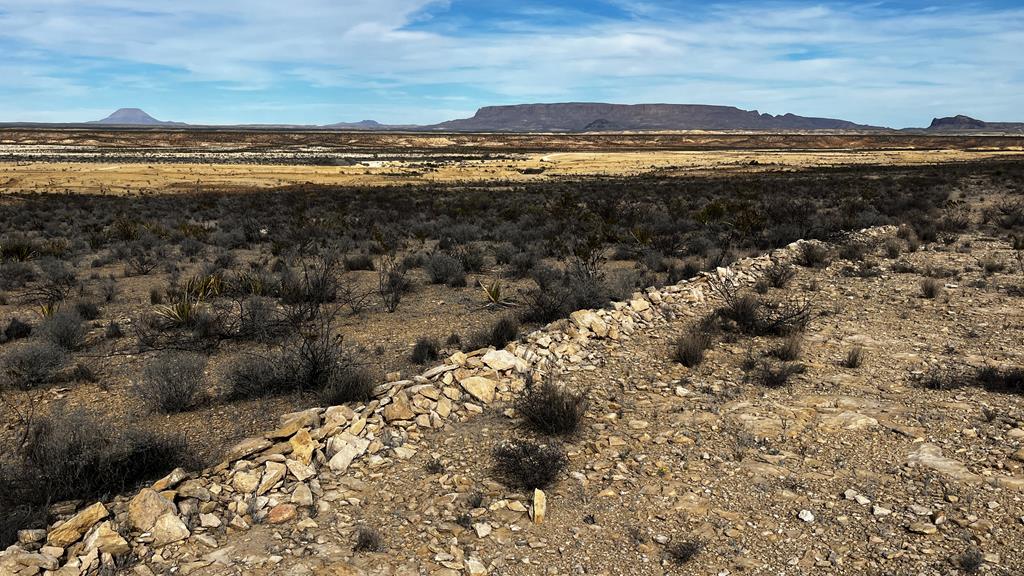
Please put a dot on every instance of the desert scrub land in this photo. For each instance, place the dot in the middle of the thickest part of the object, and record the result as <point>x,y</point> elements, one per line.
<point>144,333</point>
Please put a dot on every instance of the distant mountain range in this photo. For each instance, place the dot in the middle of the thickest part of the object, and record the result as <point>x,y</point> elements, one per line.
<point>598,117</point>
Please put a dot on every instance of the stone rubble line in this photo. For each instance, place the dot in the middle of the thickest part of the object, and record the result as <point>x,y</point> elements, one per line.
<point>270,479</point>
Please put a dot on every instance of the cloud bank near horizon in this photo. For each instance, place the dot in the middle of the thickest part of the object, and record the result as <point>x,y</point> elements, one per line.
<point>424,61</point>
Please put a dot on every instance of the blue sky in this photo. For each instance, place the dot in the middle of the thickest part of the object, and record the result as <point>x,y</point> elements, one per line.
<point>895,63</point>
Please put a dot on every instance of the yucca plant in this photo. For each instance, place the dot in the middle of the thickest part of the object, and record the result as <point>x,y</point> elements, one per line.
<point>48,309</point>
<point>201,287</point>
<point>249,283</point>
<point>18,250</point>
<point>180,313</point>
<point>493,292</point>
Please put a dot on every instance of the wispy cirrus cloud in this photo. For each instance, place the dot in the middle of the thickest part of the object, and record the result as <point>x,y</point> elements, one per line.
<point>894,63</point>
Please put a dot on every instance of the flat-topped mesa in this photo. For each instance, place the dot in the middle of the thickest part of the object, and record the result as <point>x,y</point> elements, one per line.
<point>586,116</point>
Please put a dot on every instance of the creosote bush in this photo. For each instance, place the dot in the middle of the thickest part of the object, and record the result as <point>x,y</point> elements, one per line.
<point>31,363</point>
<point>683,552</point>
<point>789,349</point>
<point>930,288</point>
<point>368,540</point>
<point>854,357</point>
<point>172,383</point>
<point>425,350</point>
<point>813,255</point>
<point>774,374</point>
<point>76,455</point>
<point>313,362</point>
<point>501,333</point>
<point>551,409</point>
<point>445,269</point>
<point>689,348</point>
<point>525,465</point>
<point>64,328</point>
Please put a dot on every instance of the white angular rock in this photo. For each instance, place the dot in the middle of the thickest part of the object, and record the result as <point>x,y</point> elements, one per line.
<point>503,360</point>
<point>351,447</point>
<point>168,530</point>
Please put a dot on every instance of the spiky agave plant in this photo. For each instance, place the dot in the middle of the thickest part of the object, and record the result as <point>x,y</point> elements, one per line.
<point>494,294</point>
<point>180,313</point>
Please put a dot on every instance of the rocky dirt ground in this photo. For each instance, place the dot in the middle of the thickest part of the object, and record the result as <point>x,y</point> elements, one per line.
<point>674,470</point>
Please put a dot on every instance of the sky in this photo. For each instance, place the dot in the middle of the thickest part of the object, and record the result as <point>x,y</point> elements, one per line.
<point>892,63</point>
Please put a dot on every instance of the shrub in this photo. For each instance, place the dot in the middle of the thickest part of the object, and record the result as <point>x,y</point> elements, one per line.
<point>349,384</point>
<point>683,552</point>
<point>812,255</point>
<point>552,409</point>
<point>749,314</point>
<point>523,264</point>
<point>774,374</point>
<point>690,347</point>
<point>854,357</point>
<point>16,515</point>
<point>471,257</point>
<point>64,328</point>
<point>1002,380</point>
<point>87,310</point>
<point>892,248</point>
<point>368,540</point>
<point>76,455</point>
<point>789,349</point>
<point>971,561</point>
<point>854,250</point>
<point>256,377</point>
<point>499,335</point>
<point>930,288</point>
<point>360,261</point>
<point>259,321</point>
<point>315,362</point>
<point>444,269</point>
<point>16,330</point>
<point>172,383</point>
<point>779,274</point>
<point>521,464</point>
<point>392,283</point>
<point>425,350</point>
<point>32,363</point>
<point>689,269</point>
<point>560,293</point>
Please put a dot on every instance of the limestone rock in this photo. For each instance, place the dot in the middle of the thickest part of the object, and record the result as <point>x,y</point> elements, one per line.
<point>273,474</point>
<point>399,409</point>
<point>540,506</point>
<point>70,531</point>
<point>352,447</point>
<point>245,482</point>
<point>930,456</point>
<point>247,447</point>
<point>591,321</point>
<point>104,538</point>
<point>303,446</point>
<point>169,529</point>
<point>503,360</point>
<point>481,388</point>
<point>302,495</point>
